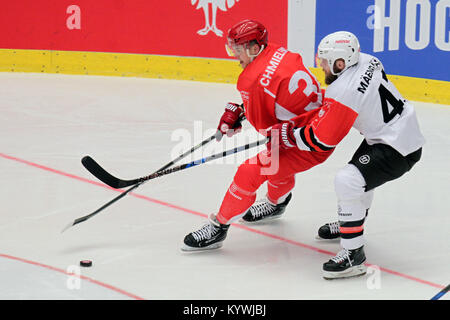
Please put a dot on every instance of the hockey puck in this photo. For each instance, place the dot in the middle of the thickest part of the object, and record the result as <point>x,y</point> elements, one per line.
<point>86,263</point>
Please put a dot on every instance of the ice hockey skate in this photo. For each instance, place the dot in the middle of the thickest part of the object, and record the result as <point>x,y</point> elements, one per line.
<point>346,264</point>
<point>210,236</point>
<point>329,232</point>
<point>264,210</point>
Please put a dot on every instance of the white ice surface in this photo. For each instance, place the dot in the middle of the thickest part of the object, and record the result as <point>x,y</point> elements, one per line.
<point>126,124</point>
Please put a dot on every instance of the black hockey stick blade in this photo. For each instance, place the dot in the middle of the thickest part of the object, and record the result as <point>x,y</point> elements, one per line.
<point>84,218</point>
<point>76,221</point>
<point>164,172</point>
<point>93,167</point>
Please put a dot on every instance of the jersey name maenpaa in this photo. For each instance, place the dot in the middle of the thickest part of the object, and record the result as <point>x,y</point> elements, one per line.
<point>383,115</point>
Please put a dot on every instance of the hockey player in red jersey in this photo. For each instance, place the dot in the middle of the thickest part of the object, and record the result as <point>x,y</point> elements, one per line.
<point>359,95</point>
<point>275,86</point>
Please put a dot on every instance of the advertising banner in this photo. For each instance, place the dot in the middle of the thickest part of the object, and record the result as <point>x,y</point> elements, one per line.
<point>410,37</point>
<point>195,28</point>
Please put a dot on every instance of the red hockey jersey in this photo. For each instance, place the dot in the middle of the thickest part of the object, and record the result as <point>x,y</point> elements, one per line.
<point>276,87</point>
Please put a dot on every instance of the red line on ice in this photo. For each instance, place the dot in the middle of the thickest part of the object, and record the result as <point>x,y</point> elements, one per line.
<point>107,286</point>
<point>266,234</point>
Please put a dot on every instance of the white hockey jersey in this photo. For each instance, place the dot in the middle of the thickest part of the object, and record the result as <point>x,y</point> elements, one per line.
<point>363,97</point>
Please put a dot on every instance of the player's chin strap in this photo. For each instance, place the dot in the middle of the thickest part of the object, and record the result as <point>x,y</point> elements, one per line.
<point>253,56</point>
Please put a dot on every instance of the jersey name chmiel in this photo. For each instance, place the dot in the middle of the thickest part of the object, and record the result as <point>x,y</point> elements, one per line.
<point>276,86</point>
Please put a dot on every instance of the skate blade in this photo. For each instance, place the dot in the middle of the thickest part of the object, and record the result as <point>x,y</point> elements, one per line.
<point>351,272</point>
<point>262,221</point>
<point>327,240</point>
<point>213,246</point>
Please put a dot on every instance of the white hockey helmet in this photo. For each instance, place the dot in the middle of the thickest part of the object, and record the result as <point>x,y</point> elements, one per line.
<point>339,45</point>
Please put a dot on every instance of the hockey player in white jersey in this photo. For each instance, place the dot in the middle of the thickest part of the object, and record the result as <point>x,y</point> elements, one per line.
<point>359,95</point>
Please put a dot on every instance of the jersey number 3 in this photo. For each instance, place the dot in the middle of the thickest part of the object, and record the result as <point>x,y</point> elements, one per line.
<point>308,90</point>
<point>387,98</point>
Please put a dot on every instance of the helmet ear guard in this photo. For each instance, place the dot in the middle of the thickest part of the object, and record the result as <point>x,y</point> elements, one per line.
<point>339,45</point>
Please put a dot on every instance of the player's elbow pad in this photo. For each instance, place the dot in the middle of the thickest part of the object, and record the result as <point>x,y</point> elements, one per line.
<point>308,141</point>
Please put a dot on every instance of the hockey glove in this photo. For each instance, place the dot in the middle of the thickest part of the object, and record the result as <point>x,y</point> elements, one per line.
<point>230,122</point>
<point>282,135</point>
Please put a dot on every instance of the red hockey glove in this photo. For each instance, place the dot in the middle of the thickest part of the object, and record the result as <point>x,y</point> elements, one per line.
<point>230,122</point>
<point>282,135</point>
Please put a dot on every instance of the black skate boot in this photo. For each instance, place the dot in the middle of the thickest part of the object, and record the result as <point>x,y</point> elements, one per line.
<point>329,231</point>
<point>210,236</point>
<point>264,210</point>
<point>346,264</point>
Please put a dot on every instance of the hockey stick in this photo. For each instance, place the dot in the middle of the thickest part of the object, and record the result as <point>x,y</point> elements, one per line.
<point>165,172</point>
<point>93,167</point>
<point>441,293</point>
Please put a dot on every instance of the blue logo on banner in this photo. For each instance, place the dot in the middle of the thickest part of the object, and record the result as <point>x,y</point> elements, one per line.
<point>410,37</point>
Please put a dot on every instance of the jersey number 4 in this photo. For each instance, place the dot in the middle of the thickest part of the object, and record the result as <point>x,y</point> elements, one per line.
<point>387,98</point>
